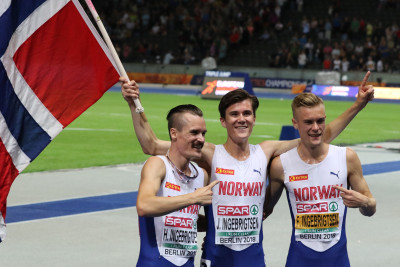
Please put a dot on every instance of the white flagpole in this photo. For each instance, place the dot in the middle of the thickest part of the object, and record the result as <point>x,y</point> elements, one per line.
<point>139,108</point>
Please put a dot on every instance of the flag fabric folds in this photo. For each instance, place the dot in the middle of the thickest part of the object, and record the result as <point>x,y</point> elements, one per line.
<point>53,66</point>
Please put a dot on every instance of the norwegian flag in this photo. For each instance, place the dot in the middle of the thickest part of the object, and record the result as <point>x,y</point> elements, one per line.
<point>53,66</point>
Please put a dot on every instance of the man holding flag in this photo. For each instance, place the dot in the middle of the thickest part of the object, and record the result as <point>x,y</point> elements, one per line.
<point>53,66</point>
<point>171,190</point>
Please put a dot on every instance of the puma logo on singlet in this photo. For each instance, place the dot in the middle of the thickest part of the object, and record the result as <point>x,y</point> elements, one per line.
<point>259,171</point>
<point>336,174</point>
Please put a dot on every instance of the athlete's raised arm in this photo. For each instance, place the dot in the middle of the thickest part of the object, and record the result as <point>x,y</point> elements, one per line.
<point>335,127</point>
<point>148,140</point>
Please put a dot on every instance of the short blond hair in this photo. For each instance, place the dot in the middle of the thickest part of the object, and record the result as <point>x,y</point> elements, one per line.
<point>307,100</point>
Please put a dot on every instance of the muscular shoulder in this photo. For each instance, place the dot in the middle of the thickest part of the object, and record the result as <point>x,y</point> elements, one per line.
<point>351,155</point>
<point>276,169</point>
<point>154,167</point>
<point>353,161</point>
<point>154,160</point>
<point>276,162</point>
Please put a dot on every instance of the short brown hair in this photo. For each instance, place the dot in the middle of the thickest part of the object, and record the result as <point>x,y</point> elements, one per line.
<point>174,121</point>
<point>234,97</point>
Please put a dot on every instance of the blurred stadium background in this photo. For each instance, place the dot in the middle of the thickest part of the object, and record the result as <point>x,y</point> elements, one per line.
<point>278,43</point>
<point>255,33</point>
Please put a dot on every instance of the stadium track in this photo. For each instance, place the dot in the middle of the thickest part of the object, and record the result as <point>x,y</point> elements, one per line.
<point>87,217</point>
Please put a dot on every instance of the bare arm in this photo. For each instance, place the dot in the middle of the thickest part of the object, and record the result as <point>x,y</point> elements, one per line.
<point>149,204</point>
<point>359,195</point>
<point>275,187</point>
<point>148,140</point>
<point>365,94</point>
<point>276,148</point>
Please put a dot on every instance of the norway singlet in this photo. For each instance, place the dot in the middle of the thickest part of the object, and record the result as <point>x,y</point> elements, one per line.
<point>234,230</point>
<point>317,209</point>
<point>171,240</point>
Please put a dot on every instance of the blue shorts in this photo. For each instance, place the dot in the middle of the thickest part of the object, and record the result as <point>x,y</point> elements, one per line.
<point>220,255</point>
<point>302,256</point>
<point>160,262</point>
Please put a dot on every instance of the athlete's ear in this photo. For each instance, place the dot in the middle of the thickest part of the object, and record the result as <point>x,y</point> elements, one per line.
<point>172,133</point>
<point>223,122</point>
<point>295,125</point>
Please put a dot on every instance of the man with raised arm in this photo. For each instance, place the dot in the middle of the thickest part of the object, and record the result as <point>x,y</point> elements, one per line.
<point>234,232</point>
<point>171,190</point>
<point>321,181</point>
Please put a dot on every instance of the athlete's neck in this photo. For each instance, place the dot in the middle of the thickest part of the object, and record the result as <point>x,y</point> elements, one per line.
<point>179,161</point>
<point>239,151</point>
<point>313,155</point>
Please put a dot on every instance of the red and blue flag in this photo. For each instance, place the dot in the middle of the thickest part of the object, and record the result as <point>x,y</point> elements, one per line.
<point>53,66</point>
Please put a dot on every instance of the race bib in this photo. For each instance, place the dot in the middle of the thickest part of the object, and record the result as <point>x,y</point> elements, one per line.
<point>237,224</point>
<point>179,237</point>
<point>317,227</point>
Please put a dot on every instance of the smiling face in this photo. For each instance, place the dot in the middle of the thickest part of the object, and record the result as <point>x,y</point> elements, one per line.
<point>239,120</point>
<point>189,137</point>
<point>310,121</point>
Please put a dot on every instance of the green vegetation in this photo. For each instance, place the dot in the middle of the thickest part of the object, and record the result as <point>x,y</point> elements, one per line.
<point>103,135</point>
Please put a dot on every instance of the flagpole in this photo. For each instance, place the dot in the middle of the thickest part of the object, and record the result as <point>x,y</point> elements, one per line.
<point>139,108</point>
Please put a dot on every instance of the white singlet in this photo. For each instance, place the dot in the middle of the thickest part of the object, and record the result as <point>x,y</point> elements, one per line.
<point>176,232</point>
<point>316,207</point>
<point>238,199</point>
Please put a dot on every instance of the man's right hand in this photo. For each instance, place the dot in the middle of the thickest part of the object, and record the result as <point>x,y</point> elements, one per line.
<point>129,90</point>
<point>365,92</point>
<point>204,195</point>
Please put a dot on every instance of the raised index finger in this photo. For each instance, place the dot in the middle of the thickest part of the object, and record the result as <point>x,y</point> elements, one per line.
<point>213,184</point>
<point>364,81</point>
<point>340,188</point>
